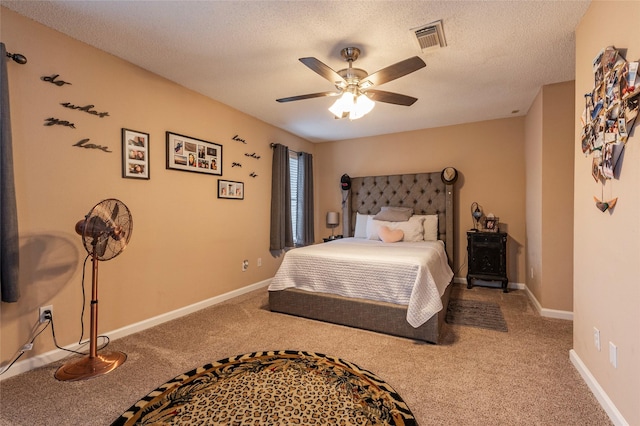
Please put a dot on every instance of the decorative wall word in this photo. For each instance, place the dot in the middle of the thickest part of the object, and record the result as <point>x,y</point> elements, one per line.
<point>611,110</point>
<point>237,138</point>
<point>234,164</point>
<point>54,121</point>
<point>52,80</point>
<point>253,174</point>
<point>253,155</point>
<point>86,108</point>
<point>84,144</point>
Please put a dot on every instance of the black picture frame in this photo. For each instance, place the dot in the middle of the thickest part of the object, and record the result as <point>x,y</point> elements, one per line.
<point>135,154</point>
<point>231,190</point>
<point>193,155</point>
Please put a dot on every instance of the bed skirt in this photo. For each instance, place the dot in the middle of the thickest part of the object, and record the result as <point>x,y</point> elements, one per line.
<point>375,316</point>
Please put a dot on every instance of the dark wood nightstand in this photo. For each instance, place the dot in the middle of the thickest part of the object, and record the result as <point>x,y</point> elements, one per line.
<point>487,252</point>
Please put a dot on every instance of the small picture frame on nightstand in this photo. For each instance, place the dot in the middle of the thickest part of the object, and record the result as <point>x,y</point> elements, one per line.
<point>491,224</point>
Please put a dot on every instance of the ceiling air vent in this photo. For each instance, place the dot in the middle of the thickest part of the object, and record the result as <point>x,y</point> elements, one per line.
<point>431,36</point>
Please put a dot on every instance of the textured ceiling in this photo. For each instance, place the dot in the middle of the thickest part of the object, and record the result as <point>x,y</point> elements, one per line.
<point>245,53</point>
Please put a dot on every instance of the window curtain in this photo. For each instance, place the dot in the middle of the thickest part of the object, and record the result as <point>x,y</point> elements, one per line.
<point>281,231</point>
<point>9,244</point>
<point>305,231</point>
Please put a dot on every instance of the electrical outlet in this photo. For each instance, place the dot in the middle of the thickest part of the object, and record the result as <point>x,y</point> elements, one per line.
<point>43,309</point>
<point>596,338</point>
<point>613,355</point>
<point>531,272</point>
<point>259,261</point>
<point>245,265</point>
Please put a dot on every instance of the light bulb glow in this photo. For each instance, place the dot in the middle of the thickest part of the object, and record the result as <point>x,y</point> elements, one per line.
<point>355,107</point>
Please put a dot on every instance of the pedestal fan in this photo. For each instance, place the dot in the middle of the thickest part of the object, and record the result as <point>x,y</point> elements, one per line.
<point>105,232</point>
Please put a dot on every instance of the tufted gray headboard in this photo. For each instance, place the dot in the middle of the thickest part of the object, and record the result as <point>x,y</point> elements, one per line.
<point>425,193</point>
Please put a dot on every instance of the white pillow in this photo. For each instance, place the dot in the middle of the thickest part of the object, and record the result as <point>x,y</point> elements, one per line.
<point>430,227</point>
<point>413,228</point>
<point>394,214</point>
<point>361,226</point>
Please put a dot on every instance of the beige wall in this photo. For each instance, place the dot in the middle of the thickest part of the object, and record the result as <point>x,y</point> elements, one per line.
<point>549,162</point>
<point>607,245</point>
<point>187,245</point>
<point>489,156</point>
<point>557,202</point>
<point>533,159</point>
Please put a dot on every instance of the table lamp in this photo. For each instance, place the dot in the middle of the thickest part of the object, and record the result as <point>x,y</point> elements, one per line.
<point>333,219</point>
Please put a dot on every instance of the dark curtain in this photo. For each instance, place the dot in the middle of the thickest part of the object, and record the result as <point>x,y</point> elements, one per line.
<point>9,245</point>
<point>281,231</point>
<point>305,222</point>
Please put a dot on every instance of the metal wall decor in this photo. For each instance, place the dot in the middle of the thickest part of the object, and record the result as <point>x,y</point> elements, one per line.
<point>84,143</point>
<point>252,155</point>
<point>87,108</point>
<point>610,114</point>
<point>52,80</point>
<point>51,121</point>
<point>238,139</point>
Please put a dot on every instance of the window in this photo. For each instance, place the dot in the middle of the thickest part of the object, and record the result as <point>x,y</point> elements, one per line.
<point>293,180</point>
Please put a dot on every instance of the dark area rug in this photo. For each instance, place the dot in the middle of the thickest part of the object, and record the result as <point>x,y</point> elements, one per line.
<point>281,387</point>
<point>476,313</point>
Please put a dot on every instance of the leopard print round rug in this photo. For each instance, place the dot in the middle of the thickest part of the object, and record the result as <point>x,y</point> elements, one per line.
<point>272,388</point>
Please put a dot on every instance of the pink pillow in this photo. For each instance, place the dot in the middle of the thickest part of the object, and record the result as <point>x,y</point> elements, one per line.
<point>390,236</point>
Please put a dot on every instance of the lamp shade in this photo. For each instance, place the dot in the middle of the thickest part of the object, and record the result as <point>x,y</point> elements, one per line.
<point>333,218</point>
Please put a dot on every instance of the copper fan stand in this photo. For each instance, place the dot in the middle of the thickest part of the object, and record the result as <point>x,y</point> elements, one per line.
<point>91,365</point>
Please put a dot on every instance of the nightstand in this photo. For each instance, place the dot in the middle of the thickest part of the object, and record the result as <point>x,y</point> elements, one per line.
<point>487,253</point>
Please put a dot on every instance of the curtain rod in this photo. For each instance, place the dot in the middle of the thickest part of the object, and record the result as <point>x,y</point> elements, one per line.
<point>273,145</point>
<point>19,58</point>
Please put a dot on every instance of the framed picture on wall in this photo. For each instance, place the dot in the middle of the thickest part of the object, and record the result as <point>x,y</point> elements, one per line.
<point>193,155</point>
<point>230,189</point>
<point>135,154</point>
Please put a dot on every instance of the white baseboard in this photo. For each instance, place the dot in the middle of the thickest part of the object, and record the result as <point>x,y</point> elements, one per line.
<point>514,286</point>
<point>57,354</point>
<point>545,312</point>
<point>602,397</point>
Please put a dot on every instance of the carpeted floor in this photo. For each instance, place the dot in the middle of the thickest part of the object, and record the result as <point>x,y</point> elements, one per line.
<point>475,377</point>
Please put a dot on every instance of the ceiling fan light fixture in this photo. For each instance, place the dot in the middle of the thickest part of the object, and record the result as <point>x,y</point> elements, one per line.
<point>342,104</point>
<point>362,106</point>
<point>352,106</point>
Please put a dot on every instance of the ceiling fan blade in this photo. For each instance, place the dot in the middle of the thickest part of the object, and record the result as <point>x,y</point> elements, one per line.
<point>323,70</point>
<point>309,96</point>
<point>392,72</point>
<point>390,97</point>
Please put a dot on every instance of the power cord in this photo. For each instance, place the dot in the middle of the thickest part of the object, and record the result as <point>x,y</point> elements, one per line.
<point>37,330</point>
<point>84,298</point>
<point>462,265</point>
<point>42,326</point>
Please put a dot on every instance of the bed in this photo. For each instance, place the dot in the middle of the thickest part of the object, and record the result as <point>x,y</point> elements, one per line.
<point>317,281</point>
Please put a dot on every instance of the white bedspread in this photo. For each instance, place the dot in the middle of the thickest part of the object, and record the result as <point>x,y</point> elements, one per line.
<point>405,273</point>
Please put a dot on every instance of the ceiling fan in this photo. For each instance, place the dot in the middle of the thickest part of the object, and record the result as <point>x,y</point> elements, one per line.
<point>355,84</point>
